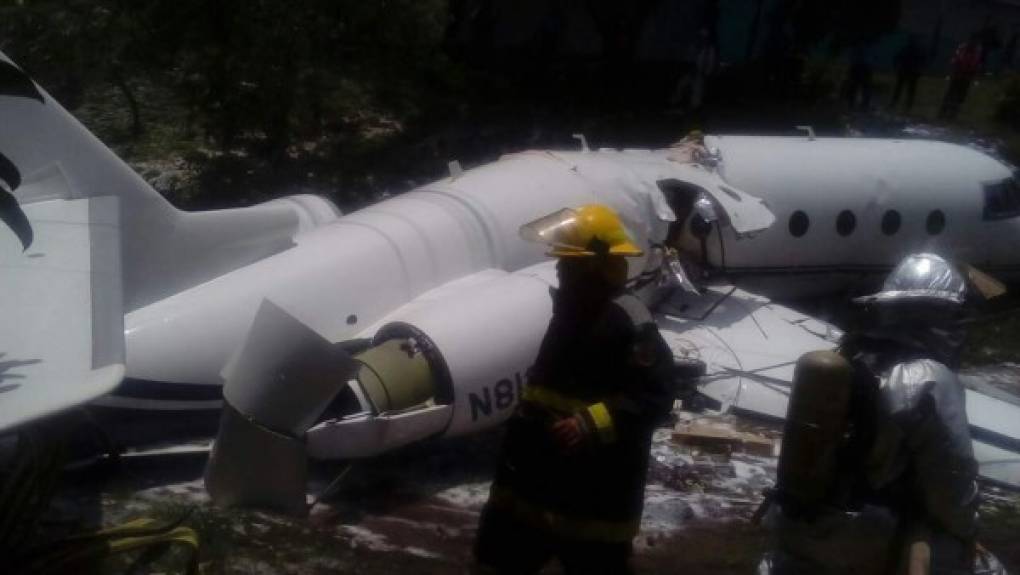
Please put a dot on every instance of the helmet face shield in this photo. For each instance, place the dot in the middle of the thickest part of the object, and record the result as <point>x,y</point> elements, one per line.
<point>558,230</point>
<point>591,230</point>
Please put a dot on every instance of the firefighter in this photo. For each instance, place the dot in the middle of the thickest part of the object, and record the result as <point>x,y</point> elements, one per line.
<point>877,473</point>
<point>571,476</point>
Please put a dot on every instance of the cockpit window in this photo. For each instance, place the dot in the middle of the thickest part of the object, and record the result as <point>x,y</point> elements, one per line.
<point>1002,199</point>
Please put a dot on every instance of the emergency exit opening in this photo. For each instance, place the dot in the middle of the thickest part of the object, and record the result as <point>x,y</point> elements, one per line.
<point>696,216</point>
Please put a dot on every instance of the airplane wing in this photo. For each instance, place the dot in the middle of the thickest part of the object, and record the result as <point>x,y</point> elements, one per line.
<point>62,336</point>
<point>750,346</point>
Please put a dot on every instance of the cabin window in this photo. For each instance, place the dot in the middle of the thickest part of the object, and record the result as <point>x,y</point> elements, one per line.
<point>1002,199</point>
<point>891,221</point>
<point>845,223</point>
<point>936,222</point>
<point>799,224</point>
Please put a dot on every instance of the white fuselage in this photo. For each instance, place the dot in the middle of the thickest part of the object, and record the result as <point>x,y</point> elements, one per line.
<point>416,257</point>
<point>890,194</point>
<point>444,262</point>
<point>342,279</point>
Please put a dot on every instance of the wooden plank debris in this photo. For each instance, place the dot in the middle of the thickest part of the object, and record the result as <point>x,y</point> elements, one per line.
<point>722,438</point>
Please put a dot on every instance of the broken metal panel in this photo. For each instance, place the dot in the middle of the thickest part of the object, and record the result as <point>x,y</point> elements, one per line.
<point>285,374</point>
<point>367,435</point>
<point>276,386</point>
<point>253,466</point>
<point>629,186</point>
<point>747,214</point>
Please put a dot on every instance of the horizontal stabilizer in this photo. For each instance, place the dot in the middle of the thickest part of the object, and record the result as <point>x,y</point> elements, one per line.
<point>165,250</point>
<point>62,337</point>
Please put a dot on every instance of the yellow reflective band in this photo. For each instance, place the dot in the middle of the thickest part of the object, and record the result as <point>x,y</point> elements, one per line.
<point>563,525</point>
<point>552,399</point>
<point>603,421</point>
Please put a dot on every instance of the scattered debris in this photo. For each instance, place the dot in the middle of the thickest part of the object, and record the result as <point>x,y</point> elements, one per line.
<point>417,510</point>
<point>718,436</point>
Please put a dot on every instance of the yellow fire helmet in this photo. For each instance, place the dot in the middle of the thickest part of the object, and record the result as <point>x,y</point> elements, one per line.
<point>589,230</point>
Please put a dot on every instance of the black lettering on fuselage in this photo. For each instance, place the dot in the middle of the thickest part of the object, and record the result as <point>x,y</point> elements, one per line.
<point>506,393</point>
<point>478,404</point>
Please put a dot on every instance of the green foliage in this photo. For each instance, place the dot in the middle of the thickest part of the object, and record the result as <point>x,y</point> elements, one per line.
<point>262,69</point>
<point>250,73</point>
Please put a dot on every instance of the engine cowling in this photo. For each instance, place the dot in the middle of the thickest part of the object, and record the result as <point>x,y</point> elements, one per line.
<point>312,211</point>
<point>442,367</point>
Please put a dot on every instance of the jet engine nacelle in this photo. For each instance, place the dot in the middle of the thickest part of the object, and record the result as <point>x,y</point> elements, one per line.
<point>442,366</point>
<point>312,211</point>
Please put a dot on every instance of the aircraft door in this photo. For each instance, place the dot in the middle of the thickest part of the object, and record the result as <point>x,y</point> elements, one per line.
<point>695,233</point>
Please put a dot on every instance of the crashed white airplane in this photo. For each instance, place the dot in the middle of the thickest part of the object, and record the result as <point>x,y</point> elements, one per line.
<point>443,302</point>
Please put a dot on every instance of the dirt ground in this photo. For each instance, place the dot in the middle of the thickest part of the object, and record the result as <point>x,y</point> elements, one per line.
<point>415,511</point>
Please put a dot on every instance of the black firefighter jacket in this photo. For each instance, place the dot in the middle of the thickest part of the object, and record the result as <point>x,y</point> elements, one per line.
<point>608,363</point>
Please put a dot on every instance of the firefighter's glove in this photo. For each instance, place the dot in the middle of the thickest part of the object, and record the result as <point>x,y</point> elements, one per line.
<point>569,432</point>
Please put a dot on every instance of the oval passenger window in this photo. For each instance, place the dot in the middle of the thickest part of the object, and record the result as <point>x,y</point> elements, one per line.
<point>891,222</point>
<point>799,224</point>
<point>936,222</point>
<point>845,223</point>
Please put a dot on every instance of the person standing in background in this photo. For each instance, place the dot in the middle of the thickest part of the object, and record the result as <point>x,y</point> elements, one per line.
<point>963,68</point>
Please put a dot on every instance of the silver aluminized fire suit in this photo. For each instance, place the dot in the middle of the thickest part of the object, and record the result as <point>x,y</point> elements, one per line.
<point>904,470</point>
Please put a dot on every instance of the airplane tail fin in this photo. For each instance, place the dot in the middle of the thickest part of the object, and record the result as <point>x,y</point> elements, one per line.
<point>165,250</point>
